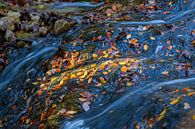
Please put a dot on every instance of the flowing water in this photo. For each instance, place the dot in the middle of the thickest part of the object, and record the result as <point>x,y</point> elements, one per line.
<point>162,72</point>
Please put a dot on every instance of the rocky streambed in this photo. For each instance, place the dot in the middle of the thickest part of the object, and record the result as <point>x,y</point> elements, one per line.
<point>99,64</point>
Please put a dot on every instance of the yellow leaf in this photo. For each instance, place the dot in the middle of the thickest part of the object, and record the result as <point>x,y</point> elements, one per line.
<point>79,73</point>
<point>94,55</point>
<point>104,52</point>
<point>162,114</point>
<point>152,38</point>
<point>75,54</point>
<point>72,76</point>
<point>122,63</point>
<point>129,84</point>
<point>54,106</point>
<point>105,73</point>
<point>93,65</point>
<point>106,55</point>
<point>146,47</point>
<point>102,66</point>
<point>53,79</point>
<point>85,74</point>
<point>61,82</point>
<point>35,83</point>
<point>175,101</point>
<point>193,117</point>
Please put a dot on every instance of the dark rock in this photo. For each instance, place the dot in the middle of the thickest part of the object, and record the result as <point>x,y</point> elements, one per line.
<point>10,36</point>
<point>43,31</point>
<point>6,23</point>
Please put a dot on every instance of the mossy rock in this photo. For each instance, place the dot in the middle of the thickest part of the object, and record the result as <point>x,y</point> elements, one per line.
<point>2,5</point>
<point>23,35</point>
<point>21,44</point>
<point>41,7</point>
<point>62,26</point>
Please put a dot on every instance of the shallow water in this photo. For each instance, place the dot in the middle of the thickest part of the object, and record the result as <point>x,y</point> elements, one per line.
<point>151,93</point>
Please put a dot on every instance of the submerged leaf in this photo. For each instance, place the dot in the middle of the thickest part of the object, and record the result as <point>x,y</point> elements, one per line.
<point>175,101</point>
<point>102,80</point>
<point>162,114</point>
<point>146,47</point>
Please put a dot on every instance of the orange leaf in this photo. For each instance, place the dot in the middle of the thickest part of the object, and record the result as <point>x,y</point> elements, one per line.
<point>39,92</point>
<point>124,69</point>
<point>85,94</point>
<point>94,55</point>
<point>191,93</point>
<point>185,89</point>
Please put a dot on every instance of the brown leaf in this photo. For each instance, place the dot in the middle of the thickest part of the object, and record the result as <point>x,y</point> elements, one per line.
<point>86,94</point>
<point>114,8</point>
<point>41,126</point>
<point>102,80</point>
<point>90,79</point>
<point>108,34</point>
<point>27,121</point>
<point>1,124</point>
<point>43,116</point>
<point>151,122</point>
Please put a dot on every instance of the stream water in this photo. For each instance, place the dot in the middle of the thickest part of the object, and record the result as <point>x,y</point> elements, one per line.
<point>167,65</point>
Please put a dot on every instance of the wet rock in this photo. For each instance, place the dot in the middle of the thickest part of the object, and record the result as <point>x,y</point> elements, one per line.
<point>61,26</point>
<point>31,27</point>
<point>43,31</point>
<point>35,17</point>
<point>21,25</point>
<point>5,24</point>
<point>14,16</point>
<point>10,36</point>
<point>21,2</point>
